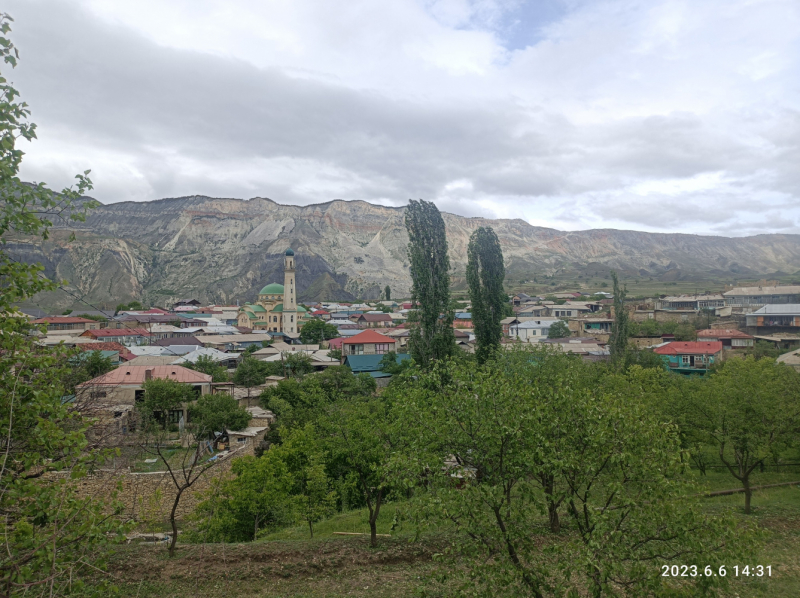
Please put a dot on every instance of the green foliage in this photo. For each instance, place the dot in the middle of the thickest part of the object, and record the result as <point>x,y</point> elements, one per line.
<point>216,413</point>
<point>359,439</point>
<point>387,293</point>
<point>95,317</point>
<point>390,365</point>
<point>748,411</point>
<point>485,274</point>
<point>559,329</point>
<point>52,536</point>
<point>314,332</point>
<point>335,354</point>
<point>251,372</point>
<point>161,395</point>
<point>207,365</point>
<point>503,451</point>
<point>257,499</point>
<point>432,336</point>
<point>132,306</point>
<point>296,365</point>
<point>618,341</point>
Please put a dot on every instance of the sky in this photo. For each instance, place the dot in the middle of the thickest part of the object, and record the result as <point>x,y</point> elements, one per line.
<point>653,115</point>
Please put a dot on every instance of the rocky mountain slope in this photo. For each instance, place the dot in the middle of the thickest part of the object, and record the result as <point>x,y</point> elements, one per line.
<point>224,250</point>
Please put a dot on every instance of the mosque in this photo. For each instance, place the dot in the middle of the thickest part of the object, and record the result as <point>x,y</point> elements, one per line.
<point>276,309</point>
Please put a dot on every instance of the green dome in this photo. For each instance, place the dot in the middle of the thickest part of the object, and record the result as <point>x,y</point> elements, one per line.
<point>272,289</point>
<point>290,251</point>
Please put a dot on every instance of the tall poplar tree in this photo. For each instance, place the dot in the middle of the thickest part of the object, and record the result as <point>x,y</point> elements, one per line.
<point>618,343</point>
<point>485,274</point>
<point>432,337</point>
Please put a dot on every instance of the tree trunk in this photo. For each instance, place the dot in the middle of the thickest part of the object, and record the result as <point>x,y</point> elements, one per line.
<point>373,532</point>
<point>552,512</point>
<point>310,528</point>
<point>174,523</point>
<point>552,506</point>
<point>748,493</point>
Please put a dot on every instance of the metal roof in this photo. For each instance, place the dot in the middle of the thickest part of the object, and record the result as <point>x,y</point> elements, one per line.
<point>781,309</point>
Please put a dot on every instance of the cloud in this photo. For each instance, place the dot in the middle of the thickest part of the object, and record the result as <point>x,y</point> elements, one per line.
<point>663,115</point>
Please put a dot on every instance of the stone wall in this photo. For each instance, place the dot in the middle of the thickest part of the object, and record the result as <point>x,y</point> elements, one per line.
<point>148,497</point>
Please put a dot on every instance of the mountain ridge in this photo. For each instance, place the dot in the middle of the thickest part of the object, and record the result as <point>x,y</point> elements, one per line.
<point>225,249</point>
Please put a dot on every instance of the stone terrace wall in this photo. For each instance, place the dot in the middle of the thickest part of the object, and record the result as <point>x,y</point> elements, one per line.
<point>148,497</point>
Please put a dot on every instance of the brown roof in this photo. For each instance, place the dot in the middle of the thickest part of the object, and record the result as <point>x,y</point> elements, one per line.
<point>63,320</point>
<point>368,336</point>
<point>117,332</point>
<point>721,333</point>
<point>135,374</point>
<point>375,317</point>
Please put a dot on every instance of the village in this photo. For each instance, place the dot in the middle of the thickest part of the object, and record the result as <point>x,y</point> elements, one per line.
<point>690,333</point>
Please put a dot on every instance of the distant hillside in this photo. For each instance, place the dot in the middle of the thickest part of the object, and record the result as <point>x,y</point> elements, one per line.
<point>224,250</point>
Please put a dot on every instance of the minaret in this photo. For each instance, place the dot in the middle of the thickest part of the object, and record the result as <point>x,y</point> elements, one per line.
<point>289,293</point>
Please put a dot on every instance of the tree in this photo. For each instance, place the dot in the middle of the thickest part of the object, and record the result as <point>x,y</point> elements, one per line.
<point>208,365</point>
<point>491,448</point>
<point>51,536</point>
<point>161,396</point>
<point>249,373</point>
<point>216,413</point>
<point>485,274</point>
<point>618,342</point>
<point>359,440</point>
<point>257,498</point>
<point>559,329</point>
<point>132,306</point>
<point>296,365</point>
<point>749,411</point>
<point>387,293</point>
<point>314,332</point>
<point>432,337</point>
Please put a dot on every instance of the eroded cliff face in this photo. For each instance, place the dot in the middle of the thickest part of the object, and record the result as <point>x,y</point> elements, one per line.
<point>222,250</point>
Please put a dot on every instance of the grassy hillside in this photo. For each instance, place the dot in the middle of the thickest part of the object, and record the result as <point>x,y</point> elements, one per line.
<point>289,563</point>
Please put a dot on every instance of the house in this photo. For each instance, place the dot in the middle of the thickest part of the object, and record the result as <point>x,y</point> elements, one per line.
<point>321,314</point>
<point>122,351</point>
<point>690,357</point>
<point>531,331</point>
<point>730,339</point>
<point>335,343</point>
<point>791,359</point>
<point>373,320</point>
<point>368,342</point>
<point>762,295</point>
<point>786,316</point>
<point>192,303</point>
<point>371,364</point>
<point>177,340</point>
<point>234,342</point>
<point>596,325</point>
<point>690,302</point>
<point>532,311</point>
<point>227,360</point>
<point>123,386</point>
<point>124,336</point>
<point>588,348</point>
<point>67,324</point>
<point>567,311</point>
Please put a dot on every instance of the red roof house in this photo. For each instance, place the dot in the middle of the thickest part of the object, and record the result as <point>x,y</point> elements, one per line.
<point>67,323</point>
<point>690,357</point>
<point>368,342</point>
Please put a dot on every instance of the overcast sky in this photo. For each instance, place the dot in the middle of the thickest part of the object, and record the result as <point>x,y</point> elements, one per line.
<point>659,115</point>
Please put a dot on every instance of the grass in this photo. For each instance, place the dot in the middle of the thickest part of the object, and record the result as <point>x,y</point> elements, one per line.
<point>288,563</point>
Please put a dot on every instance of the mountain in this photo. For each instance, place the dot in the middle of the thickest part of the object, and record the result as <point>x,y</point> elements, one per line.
<point>224,250</point>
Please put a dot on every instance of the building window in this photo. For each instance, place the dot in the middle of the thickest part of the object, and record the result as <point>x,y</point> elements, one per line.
<point>356,349</point>
<point>291,318</point>
<point>382,348</point>
<point>174,416</point>
<point>139,395</point>
<point>685,359</point>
